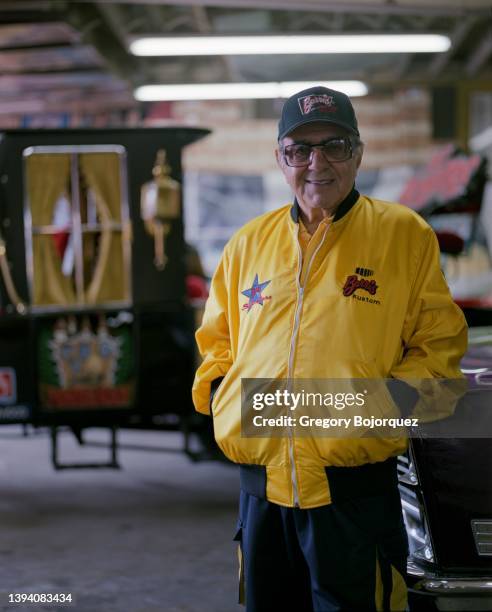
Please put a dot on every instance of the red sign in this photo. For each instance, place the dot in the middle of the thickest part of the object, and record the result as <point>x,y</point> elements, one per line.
<point>95,397</point>
<point>446,178</point>
<point>8,391</point>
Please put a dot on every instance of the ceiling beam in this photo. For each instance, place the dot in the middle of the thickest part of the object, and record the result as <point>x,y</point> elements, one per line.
<point>310,21</point>
<point>418,22</point>
<point>95,30</point>
<point>113,16</point>
<point>201,19</point>
<point>204,26</point>
<point>372,22</point>
<point>25,5</point>
<point>459,34</point>
<point>34,34</point>
<point>480,55</point>
<point>402,65</point>
<point>95,102</point>
<point>32,83</point>
<point>385,8</point>
<point>49,59</point>
<point>156,16</point>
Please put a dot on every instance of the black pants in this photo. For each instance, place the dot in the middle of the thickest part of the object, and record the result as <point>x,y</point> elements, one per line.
<point>347,556</point>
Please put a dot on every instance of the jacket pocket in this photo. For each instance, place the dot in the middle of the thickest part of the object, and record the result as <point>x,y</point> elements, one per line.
<point>214,387</point>
<point>223,385</point>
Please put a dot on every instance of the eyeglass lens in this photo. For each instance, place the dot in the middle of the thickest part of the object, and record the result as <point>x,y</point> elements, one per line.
<point>335,149</point>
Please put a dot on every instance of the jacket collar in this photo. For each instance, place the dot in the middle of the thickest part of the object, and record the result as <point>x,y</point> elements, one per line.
<point>343,208</point>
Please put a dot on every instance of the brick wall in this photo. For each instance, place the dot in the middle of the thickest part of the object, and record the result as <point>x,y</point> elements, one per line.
<point>395,128</point>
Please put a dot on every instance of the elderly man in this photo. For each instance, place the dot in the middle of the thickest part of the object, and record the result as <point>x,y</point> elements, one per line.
<point>336,285</point>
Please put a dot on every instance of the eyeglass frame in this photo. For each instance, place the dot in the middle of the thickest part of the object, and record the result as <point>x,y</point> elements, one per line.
<point>352,144</point>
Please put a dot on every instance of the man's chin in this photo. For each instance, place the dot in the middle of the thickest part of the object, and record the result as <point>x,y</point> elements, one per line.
<point>325,195</point>
<point>320,203</point>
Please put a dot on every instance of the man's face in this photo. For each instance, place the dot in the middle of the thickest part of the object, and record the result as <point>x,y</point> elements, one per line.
<point>320,184</point>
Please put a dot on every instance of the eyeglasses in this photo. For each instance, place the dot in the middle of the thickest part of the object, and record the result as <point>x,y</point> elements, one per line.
<point>333,150</point>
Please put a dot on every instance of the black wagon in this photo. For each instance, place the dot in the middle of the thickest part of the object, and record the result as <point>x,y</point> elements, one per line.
<point>95,328</point>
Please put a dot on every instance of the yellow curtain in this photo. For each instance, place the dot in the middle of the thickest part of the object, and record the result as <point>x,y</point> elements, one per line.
<point>102,174</point>
<point>48,176</point>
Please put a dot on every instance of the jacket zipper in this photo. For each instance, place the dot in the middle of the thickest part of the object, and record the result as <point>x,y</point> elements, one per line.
<point>293,345</point>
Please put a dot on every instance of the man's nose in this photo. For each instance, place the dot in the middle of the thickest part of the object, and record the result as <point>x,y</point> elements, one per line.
<point>317,158</point>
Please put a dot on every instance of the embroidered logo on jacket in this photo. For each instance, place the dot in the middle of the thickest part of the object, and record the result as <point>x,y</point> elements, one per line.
<point>254,294</point>
<point>353,283</point>
<point>364,271</point>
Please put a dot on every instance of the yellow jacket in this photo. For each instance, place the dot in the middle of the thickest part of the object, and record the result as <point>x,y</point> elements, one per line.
<point>374,304</point>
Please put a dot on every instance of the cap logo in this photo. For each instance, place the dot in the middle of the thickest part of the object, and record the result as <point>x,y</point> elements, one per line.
<point>323,102</point>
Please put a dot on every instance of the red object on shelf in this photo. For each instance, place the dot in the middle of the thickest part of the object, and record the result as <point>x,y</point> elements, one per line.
<point>196,287</point>
<point>447,177</point>
<point>450,243</point>
<point>477,302</point>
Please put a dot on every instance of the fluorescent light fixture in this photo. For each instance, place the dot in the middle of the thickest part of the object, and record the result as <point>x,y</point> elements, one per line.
<point>290,44</point>
<point>240,91</point>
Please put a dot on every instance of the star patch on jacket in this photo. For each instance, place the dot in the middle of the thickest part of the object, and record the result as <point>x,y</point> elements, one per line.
<point>254,294</point>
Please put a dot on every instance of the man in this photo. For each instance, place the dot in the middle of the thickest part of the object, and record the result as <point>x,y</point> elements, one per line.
<point>337,285</point>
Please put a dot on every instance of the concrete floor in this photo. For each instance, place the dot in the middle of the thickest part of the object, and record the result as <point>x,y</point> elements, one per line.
<point>155,536</point>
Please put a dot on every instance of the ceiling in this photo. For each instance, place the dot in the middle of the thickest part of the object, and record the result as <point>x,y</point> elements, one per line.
<point>63,56</point>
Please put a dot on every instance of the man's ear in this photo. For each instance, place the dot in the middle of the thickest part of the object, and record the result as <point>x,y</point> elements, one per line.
<point>359,153</point>
<point>278,157</point>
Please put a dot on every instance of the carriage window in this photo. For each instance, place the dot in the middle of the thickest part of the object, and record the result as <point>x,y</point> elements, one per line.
<point>76,221</point>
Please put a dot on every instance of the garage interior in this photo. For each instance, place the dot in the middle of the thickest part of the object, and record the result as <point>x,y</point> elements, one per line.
<point>156,534</point>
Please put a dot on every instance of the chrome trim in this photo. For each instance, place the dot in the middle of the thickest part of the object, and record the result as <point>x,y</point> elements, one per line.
<point>431,582</point>
<point>414,570</point>
<point>484,378</point>
<point>77,228</point>
<point>421,548</point>
<point>410,493</point>
<point>120,149</point>
<point>8,281</point>
<point>29,250</point>
<point>411,509</point>
<point>407,473</point>
<point>482,534</point>
<point>455,586</point>
<point>126,232</point>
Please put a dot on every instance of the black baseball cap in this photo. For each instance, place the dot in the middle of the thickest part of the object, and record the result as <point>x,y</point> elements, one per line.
<point>317,104</point>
